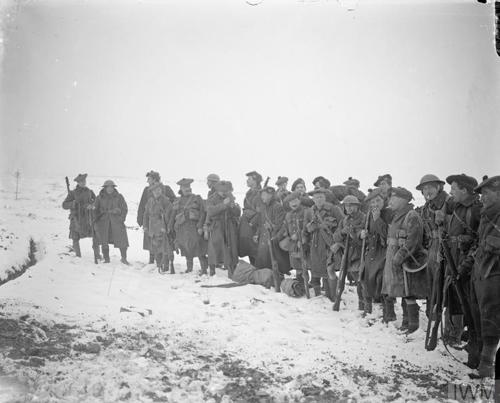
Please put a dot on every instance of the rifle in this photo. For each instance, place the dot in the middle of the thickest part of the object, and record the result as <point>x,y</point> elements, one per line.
<point>67,185</point>
<point>305,274</point>
<point>363,245</point>
<point>266,182</point>
<point>274,263</point>
<point>458,287</point>
<point>343,275</point>
<point>436,308</point>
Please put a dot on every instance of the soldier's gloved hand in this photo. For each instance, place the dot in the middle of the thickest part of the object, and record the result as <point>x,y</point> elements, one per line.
<point>294,237</point>
<point>268,226</point>
<point>397,260</point>
<point>335,248</point>
<point>363,234</point>
<point>200,231</point>
<point>255,238</point>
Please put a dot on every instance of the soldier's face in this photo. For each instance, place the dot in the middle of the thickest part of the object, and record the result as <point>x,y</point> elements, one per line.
<point>157,192</point>
<point>109,189</point>
<point>385,186</point>
<point>294,204</point>
<point>210,184</point>
<point>319,199</point>
<point>82,183</point>
<point>150,180</point>
<point>395,202</point>
<point>490,197</point>
<point>376,203</point>
<point>250,181</point>
<point>351,208</point>
<point>457,193</point>
<point>430,191</point>
<point>266,197</point>
<point>317,185</point>
<point>301,188</point>
<point>186,190</point>
<point>283,186</point>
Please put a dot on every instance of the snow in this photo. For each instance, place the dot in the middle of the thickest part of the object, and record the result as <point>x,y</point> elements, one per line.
<point>198,344</point>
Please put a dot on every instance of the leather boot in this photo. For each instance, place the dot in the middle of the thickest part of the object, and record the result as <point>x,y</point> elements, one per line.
<point>368,305</point>
<point>151,258</point>
<point>456,329</point>
<point>326,289</point>
<point>332,285</point>
<point>404,323</point>
<point>123,252</point>
<point>473,349</point>
<point>389,307</point>
<point>172,269</point>
<point>486,368</point>
<point>97,254</point>
<point>212,270</point>
<point>361,300</point>
<point>413,317</point>
<point>189,264</point>
<point>203,264</point>
<point>76,248</point>
<point>159,259</point>
<point>316,285</point>
<point>105,253</point>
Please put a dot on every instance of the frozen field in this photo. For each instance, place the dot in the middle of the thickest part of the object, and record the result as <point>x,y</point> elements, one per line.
<point>73,331</point>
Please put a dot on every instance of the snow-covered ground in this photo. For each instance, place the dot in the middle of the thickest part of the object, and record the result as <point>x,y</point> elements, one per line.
<point>74,331</point>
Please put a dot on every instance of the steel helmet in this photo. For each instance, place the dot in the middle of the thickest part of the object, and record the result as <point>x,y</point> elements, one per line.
<point>429,178</point>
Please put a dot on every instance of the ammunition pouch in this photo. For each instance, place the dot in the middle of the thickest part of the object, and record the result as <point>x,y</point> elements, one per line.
<point>194,214</point>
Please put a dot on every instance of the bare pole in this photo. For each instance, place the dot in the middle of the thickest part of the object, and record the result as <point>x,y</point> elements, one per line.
<point>17,174</point>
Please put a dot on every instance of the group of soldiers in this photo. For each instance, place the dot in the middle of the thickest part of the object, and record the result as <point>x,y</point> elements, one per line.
<point>446,252</point>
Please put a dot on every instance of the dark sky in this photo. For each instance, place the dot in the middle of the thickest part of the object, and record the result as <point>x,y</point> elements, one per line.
<point>292,88</point>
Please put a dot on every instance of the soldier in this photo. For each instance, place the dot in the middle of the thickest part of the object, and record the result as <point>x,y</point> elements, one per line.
<point>385,183</point>
<point>406,259</point>
<point>153,178</point>
<point>321,222</point>
<point>464,210</point>
<point>80,203</point>
<point>293,228</point>
<point>212,180</point>
<point>187,221</point>
<point>111,211</point>
<point>350,226</point>
<point>271,216</point>
<point>322,183</point>
<point>223,214</point>
<point>282,191</point>
<point>300,186</point>
<point>247,229</point>
<point>352,186</point>
<point>376,244</point>
<point>486,275</point>
<point>157,216</point>
<point>433,215</point>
